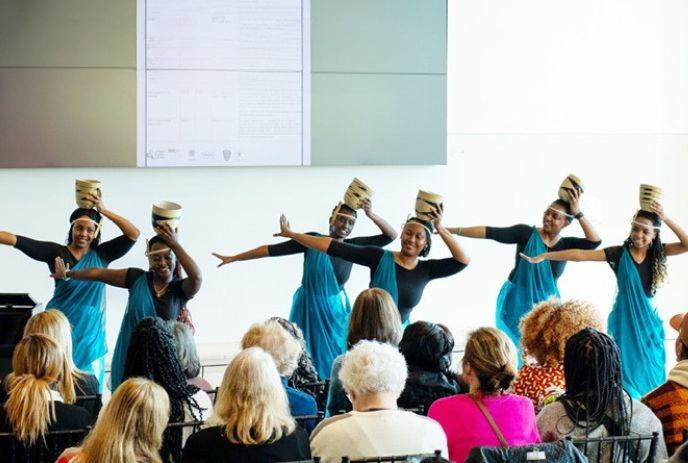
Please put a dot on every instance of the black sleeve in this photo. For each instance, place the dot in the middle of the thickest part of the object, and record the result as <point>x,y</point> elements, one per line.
<point>191,450</point>
<point>571,242</point>
<point>440,268</point>
<point>285,249</point>
<point>362,255</point>
<point>612,256</point>
<point>380,240</point>
<point>43,251</point>
<point>509,235</point>
<point>115,248</point>
<point>176,286</point>
<point>132,275</point>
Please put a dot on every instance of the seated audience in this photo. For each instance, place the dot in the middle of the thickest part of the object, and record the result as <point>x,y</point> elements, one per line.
<point>544,332</point>
<point>129,428</point>
<point>595,404</point>
<point>374,317</point>
<point>285,351</point>
<point>670,400</point>
<point>187,355</point>
<point>33,407</point>
<point>251,420</point>
<point>489,364</point>
<point>152,355</point>
<point>427,348</point>
<point>305,372</point>
<point>373,375</point>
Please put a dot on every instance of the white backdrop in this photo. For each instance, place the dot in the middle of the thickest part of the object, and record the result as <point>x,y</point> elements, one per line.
<point>536,91</point>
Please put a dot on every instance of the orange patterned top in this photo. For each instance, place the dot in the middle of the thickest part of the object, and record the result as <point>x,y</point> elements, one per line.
<point>541,384</point>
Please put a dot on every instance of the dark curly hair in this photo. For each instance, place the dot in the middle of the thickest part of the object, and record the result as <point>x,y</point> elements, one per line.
<point>658,260</point>
<point>91,214</point>
<point>427,346</point>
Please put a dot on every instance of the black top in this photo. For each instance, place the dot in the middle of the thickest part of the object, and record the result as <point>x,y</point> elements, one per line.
<point>67,417</point>
<point>342,267</point>
<point>424,387</point>
<point>47,251</point>
<point>170,304</point>
<point>212,446</point>
<point>88,386</point>
<point>410,283</point>
<point>612,255</point>
<point>520,234</point>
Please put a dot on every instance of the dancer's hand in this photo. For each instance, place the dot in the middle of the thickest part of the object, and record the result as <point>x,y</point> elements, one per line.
<point>533,260</point>
<point>166,232</point>
<point>224,259</point>
<point>285,228</point>
<point>573,196</point>
<point>61,269</point>
<point>659,210</point>
<point>367,206</point>
<point>436,217</point>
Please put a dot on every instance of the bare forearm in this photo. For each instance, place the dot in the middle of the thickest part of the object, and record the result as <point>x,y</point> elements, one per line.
<point>576,255</point>
<point>189,265</point>
<point>319,243</point>
<point>455,248</point>
<point>88,274</point>
<point>589,230</point>
<point>123,224</point>
<point>469,232</point>
<point>8,238</point>
<point>384,227</point>
<point>256,253</point>
<point>678,231</point>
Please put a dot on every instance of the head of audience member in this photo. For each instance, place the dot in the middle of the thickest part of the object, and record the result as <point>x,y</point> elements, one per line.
<point>679,322</point>
<point>427,346</point>
<point>374,317</point>
<point>130,426</point>
<point>38,364</point>
<point>489,361</point>
<point>373,375</point>
<point>594,391</point>
<point>251,404</point>
<point>342,221</point>
<point>54,323</point>
<point>556,217</point>
<point>546,328</point>
<point>84,228</point>
<point>276,341</point>
<point>305,371</point>
<point>186,348</point>
<point>152,355</point>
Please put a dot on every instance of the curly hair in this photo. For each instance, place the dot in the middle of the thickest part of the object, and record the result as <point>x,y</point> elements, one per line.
<point>655,251</point>
<point>546,328</point>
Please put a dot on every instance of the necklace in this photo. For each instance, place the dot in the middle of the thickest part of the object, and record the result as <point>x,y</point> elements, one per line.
<point>160,292</point>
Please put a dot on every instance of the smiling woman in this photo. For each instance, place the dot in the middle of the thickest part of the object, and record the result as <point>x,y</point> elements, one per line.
<point>82,302</point>
<point>160,291</point>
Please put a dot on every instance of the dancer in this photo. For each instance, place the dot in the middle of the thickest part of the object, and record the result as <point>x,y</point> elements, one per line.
<point>401,273</point>
<point>156,292</point>
<point>320,306</point>
<point>527,284</point>
<point>640,268</point>
<point>82,302</point>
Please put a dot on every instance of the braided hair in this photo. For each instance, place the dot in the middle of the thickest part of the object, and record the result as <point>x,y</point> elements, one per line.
<point>152,355</point>
<point>594,390</point>
<point>91,214</point>
<point>655,251</point>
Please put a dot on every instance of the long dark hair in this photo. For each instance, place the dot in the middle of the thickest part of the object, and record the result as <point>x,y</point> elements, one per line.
<point>152,355</point>
<point>91,214</point>
<point>594,389</point>
<point>655,251</point>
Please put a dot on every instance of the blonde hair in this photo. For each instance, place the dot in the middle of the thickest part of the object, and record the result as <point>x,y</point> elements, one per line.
<point>252,404</point>
<point>546,328</point>
<point>374,317</point>
<point>130,426</point>
<point>276,341</point>
<point>492,357</point>
<point>55,324</point>
<point>38,362</point>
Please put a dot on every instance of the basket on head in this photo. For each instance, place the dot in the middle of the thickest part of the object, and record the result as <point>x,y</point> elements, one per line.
<point>166,212</point>
<point>647,195</point>
<point>84,188</point>
<point>356,193</point>
<point>570,183</point>
<point>427,202</point>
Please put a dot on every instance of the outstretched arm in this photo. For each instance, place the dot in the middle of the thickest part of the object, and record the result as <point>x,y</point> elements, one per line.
<point>7,238</point>
<point>455,248</point>
<point>128,229</point>
<point>672,249</point>
<point>381,223</point>
<point>256,253</point>
<point>575,255</point>
<point>108,276</point>
<point>469,232</point>
<point>192,283</point>
<point>319,243</point>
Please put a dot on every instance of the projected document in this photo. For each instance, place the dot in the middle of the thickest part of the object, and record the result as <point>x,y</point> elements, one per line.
<point>223,82</point>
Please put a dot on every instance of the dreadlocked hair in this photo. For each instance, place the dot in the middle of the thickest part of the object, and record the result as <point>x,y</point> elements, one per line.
<point>91,214</point>
<point>152,355</point>
<point>594,389</point>
<point>658,260</point>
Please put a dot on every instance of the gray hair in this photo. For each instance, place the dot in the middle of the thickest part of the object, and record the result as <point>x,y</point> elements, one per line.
<point>186,348</point>
<point>372,367</point>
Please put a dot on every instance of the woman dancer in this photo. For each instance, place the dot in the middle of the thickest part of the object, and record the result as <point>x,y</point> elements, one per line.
<point>527,284</point>
<point>640,268</point>
<point>83,302</point>
<point>320,306</point>
<point>156,292</point>
<point>401,273</point>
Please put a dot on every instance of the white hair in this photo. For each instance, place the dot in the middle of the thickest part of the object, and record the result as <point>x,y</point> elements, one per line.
<point>372,367</point>
<point>276,341</point>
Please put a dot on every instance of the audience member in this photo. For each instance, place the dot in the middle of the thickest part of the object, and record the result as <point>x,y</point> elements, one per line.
<point>187,355</point>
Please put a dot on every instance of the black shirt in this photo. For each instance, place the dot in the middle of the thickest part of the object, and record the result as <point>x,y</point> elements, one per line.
<point>342,267</point>
<point>47,251</point>
<point>88,386</point>
<point>67,417</point>
<point>410,283</point>
<point>520,234</point>
<point>171,303</point>
<point>612,255</point>
<point>212,446</point>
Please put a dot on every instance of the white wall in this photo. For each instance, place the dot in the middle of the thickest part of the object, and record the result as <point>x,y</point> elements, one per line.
<point>537,91</point>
